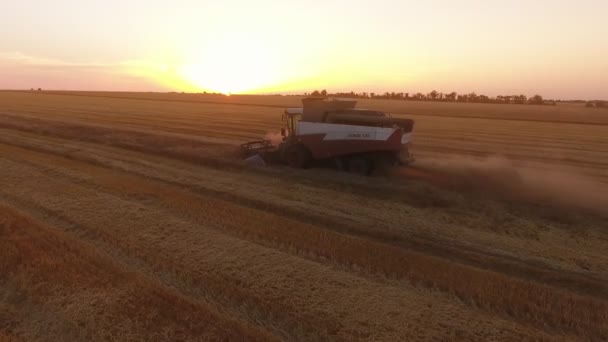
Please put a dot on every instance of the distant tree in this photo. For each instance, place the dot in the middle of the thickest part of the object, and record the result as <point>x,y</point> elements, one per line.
<point>536,99</point>
<point>39,89</point>
<point>601,104</point>
<point>453,97</point>
<point>590,104</point>
<point>521,99</point>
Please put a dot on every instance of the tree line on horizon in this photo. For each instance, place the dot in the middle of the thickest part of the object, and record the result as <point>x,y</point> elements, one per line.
<point>432,96</point>
<point>440,97</point>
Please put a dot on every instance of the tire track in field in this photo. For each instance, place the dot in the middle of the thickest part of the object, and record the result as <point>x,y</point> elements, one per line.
<point>202,288</point>
<point>226,131</point>
<point>251,104</point>
<point>204,119</point>
<point>46,264</point>
<point>211,126</point>
<point>385,259</point>
<point>191,130</point>
<point>455,151</point>
<point>222,128</point>
<point>226,117</point>
<point>469,255</point>
<point>527,146</point>
<point>223,290</point>
<point>382,302</point>
<point>526,269</point>
<point>170,147</point>
<point>187,150</point>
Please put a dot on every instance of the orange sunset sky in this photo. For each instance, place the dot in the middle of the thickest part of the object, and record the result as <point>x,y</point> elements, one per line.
<point>554,48</point>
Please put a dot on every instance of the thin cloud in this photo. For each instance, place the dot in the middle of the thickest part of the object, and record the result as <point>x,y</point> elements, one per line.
<point>20,70</point>
<point>22,59</point>
<point>19,58</point>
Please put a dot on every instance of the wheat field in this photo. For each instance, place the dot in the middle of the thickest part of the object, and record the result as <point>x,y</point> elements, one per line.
<point>129,216</point>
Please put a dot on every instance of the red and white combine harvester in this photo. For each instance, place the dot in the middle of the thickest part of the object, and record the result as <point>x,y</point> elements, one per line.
<point>357,140</point>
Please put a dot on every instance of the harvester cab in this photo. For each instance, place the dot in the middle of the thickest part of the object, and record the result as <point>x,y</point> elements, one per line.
<point>291,116</point>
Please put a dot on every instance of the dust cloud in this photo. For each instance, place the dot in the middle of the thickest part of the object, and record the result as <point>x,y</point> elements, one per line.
<point>540,183</point>
<point>274,137</point>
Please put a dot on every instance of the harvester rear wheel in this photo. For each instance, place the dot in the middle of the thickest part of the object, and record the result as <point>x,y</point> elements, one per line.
<point>383,163</point>
<point>360,166</point>
<point>297,156</point>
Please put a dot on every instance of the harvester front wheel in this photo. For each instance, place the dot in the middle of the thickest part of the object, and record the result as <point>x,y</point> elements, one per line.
<point>297,156</point>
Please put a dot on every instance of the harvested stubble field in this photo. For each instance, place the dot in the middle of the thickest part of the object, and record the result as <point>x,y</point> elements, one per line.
<point>127,216</point>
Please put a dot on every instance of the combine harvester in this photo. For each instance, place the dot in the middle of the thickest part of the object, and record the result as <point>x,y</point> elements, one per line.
<point>356,140</point>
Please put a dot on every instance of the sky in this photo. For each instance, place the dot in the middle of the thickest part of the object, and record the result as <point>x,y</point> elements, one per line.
<point>554,48</point>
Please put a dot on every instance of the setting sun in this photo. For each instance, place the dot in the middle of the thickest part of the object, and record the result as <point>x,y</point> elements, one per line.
<point>232,66</point>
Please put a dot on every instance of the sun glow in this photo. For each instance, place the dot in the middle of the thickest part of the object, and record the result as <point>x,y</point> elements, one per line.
<point>233,66</point>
